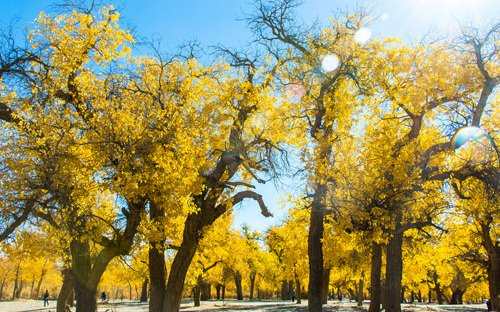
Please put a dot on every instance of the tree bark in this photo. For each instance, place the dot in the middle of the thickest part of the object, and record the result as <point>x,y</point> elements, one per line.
<point>39,284</point>
<point>217,291</point>
<point>315,250</point>
<point>196,295</point>
<point>394,267</point>
<point>144,290</point>
<point>239,288</point>
<point>178,271</point>
<point>205,290</point>
<point>16,281</point>
<point>375,285</point>
<point>156,264</point>
<point>298,289</point>
<point>66,290</point>
<point>493,251</point>
<point>326,282</point>
<point>2,287</point>
<point>252,284</point>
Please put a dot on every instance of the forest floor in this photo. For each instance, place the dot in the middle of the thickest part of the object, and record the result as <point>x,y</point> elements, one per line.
<point>237,306</point>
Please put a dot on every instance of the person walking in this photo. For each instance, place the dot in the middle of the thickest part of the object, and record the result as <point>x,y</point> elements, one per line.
<point>46,298</point>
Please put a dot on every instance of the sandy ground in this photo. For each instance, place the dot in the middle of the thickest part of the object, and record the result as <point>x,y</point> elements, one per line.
<point>232,305</point>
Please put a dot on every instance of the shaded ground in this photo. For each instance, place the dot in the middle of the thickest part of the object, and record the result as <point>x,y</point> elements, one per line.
<point>232,305</point>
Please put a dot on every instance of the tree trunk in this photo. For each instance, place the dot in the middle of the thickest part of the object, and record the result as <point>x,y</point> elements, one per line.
<point>144,290</point>
<point>239,288</point>
<point>16,281</point>
<point>205,290</point>
<point>178,272</point>
<point>217,291</point>
<point>32,289</point>
<point>403,294</point>
<point>315,250</point>
<point>156,264</point>
<point>129,291</point>
<point>223,292</point>
<point>39,284</point>
<point>361,287</point>
<point>2,287</point>
<point>66,290</point>
<point>394,268</point>
<point>298,289</point>
<point>85,297</point>
<point>252,284</point>
<point>494,276</point>
<point>85,290</point>
<point>457,296</point>
<point>326,284</point>
<point>375,286</point>
<point>196,295</point>
<point>20,290</point>
<point>71,298</point>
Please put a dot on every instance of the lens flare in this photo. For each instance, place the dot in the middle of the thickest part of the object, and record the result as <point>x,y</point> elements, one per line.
<point>473,145</point>
<point>330,63</point>
<point>467,134</point>
<point>362,35</point>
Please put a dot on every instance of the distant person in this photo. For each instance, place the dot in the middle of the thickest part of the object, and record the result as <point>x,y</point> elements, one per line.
<point>103,296</point>
<point>488,305</point>
<point>46,298</point>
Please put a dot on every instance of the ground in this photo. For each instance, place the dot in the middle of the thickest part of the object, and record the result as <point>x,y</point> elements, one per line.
<point>232,305</point>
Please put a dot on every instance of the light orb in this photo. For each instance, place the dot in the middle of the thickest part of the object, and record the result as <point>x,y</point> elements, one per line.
<point>362,35</point>
<point>330,63</point>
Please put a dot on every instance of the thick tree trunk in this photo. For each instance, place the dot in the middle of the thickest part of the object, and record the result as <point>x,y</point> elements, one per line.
<point>71,298</point>
<point>178,272</point>
<point>375,285</point>
<point>326,284</point>
<point>394,268</point>
<point>252,284</point>
<point>156,264</point>
<point>66,290</point>
<point>494,276</point>
<point>85,289</point>
<point>315,250</point>
<point>239,288</point>
<point>457,296</point>
<point>85,297</point>
<point>144,290</point>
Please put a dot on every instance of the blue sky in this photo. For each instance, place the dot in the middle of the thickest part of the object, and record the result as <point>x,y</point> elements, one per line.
<point>213,22</point>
